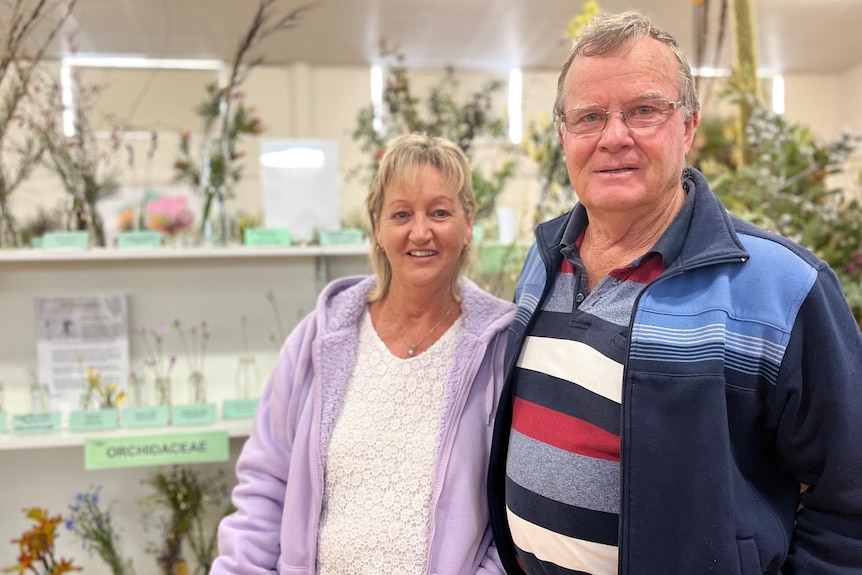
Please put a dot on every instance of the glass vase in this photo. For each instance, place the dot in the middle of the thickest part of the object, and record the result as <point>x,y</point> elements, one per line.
<point>247,376</point>
<point>40,397</point>
<point>197,387</point>
<point>220,225</point>
<point>83,216</point>
<point>162,385</point>
<point>9,236</point>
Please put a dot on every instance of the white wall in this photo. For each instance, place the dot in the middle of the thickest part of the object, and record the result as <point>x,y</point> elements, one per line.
<point>303,101</point>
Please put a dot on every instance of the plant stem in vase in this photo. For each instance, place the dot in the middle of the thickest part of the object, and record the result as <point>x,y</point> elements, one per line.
<point>247,375</point>
<point>163,390</point>
<point>198,388</point>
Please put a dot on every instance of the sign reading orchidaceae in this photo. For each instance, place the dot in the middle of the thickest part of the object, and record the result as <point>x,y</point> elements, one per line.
<point>157,449</point>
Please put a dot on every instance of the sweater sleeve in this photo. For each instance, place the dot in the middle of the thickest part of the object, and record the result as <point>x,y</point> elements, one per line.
<point>249,539</point>
<point>819,441</point>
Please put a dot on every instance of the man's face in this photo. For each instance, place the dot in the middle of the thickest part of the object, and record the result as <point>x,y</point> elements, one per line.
<point>622,170</point>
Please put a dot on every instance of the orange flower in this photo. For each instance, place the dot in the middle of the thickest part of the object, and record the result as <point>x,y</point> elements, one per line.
<point>36,546</point>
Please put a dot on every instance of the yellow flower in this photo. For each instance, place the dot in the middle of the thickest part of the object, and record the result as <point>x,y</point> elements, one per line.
<point>94,377</point>
<point>589,10</point>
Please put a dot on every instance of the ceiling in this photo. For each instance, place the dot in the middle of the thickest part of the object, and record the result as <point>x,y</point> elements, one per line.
<point>801,36</point>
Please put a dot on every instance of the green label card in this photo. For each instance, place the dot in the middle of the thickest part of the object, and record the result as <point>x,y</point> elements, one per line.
<point>161,449</point>
<point>239,408</point>
<point>146,416</point>
<point>266,237</point>
<point>93,420</point>
<point>45,422</point>
<point>66,240</point>
<point>139,240</point>
<point>2,421</point>
<point>196,414</point>
<point>340,237</point>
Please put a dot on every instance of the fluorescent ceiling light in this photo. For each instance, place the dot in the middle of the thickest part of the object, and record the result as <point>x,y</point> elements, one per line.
<point>142,62</point>
<point>515,101</point>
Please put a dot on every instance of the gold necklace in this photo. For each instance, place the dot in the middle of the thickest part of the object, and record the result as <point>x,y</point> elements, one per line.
<point>411,347</point>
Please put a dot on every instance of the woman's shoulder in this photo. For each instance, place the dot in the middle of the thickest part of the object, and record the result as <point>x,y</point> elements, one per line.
<point>343,300</point>
<point>483,311</point>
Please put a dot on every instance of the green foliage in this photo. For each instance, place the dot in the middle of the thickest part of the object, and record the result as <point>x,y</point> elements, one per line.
<point>786,185</point>
<point>188,499</point>
<point>95,526</point>
<point>219,165</point>
<point>542,146</point>
<point>441,114</point>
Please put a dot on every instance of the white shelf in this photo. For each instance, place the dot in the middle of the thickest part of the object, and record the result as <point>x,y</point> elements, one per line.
<point>168,253</point>
<point>66,438</point>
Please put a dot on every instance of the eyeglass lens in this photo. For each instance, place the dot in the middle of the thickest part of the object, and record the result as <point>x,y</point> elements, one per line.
<point>639,114</point>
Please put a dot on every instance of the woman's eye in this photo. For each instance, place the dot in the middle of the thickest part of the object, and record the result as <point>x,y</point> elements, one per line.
<point>441,213</point>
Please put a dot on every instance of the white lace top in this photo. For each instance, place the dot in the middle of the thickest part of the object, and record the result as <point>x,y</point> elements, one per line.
<point>380,462</point>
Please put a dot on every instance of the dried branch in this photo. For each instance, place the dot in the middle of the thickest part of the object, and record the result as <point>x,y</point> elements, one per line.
<point>18,69</point>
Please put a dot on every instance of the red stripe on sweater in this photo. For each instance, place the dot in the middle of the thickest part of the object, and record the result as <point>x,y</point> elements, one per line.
<point>564,431</point>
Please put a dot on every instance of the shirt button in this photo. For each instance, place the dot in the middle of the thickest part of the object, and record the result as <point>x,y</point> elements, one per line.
<point>579,298</point>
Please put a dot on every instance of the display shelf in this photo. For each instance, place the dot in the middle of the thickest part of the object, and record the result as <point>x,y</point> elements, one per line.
<point>66,438</point>
<point>169,253</point>
<point>225,286</point>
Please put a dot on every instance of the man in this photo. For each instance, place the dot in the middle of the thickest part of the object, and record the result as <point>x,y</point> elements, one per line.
<point>684,390</point>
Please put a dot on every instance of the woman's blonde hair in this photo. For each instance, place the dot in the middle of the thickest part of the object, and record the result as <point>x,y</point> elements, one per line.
<point>399,165</point>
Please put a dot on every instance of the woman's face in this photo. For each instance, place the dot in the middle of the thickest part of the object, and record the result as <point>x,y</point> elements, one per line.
<point>423,229</point>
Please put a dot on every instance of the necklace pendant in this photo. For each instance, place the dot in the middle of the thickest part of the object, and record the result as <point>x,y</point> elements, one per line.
<point>412,351</point>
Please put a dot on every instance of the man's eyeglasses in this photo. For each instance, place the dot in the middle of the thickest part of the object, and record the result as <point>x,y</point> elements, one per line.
<point>639,114</point>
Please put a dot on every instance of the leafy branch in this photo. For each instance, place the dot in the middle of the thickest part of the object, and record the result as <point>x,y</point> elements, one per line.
<point>213,167</point>
<point>465,122</point>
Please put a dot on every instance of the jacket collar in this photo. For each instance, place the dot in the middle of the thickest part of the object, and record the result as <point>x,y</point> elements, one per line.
<point>710,237</point>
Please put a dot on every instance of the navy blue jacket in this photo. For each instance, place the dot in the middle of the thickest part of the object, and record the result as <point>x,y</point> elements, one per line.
<point>742,383</point>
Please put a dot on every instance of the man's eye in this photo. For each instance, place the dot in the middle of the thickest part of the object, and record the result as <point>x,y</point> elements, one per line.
<point>643,110</point>
<point>589,117</point>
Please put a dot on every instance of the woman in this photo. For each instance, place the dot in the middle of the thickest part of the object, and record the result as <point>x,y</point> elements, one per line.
<point>369,450</point>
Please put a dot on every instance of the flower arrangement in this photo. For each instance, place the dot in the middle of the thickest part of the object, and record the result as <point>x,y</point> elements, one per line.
<point>158,362</point>
<point>36,554</point>
<point>87,166</point>
<point>20,149</point>
<point>194,342</point>
<point>170,215</point>
<point>97,531</point>
<point>213,167</point>
<point>188,498</point>
<point>104,396</point>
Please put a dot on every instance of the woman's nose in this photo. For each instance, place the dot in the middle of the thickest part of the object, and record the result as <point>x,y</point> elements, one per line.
<point>420,231</point>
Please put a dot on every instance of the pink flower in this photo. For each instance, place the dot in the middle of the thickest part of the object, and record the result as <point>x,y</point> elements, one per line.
<point>169,214</point>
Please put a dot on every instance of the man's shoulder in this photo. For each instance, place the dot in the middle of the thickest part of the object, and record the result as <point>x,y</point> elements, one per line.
<point>774,249</point>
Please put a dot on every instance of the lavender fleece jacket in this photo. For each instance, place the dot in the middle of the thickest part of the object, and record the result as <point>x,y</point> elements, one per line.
<point>280,470</point>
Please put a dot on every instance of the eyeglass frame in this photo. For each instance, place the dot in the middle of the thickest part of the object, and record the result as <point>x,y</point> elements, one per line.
<point>671,106</point>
